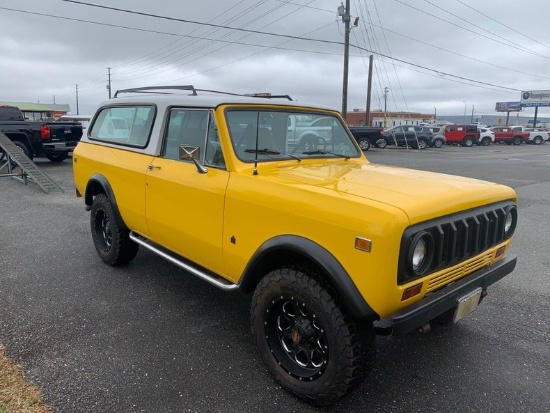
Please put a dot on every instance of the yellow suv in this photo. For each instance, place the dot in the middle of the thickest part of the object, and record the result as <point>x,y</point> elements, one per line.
<point>334,249</point>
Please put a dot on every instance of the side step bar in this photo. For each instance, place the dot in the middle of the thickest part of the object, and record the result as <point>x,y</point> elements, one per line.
<point>204,275</point>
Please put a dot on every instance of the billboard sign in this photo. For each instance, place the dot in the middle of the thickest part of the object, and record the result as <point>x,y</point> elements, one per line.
<point>508,107</point>
<point>535,98</point>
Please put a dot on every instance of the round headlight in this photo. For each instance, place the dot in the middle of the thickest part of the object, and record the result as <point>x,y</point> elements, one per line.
<point>510,221</point>
<point>421,253</point>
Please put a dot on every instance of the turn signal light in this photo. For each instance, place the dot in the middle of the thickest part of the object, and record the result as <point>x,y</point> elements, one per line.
<point>411,292</point>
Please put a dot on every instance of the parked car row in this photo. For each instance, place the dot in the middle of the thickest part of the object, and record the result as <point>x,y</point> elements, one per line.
<point>422,137</point>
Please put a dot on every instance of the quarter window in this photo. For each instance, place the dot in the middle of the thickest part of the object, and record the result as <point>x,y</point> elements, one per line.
<point>124,125</point>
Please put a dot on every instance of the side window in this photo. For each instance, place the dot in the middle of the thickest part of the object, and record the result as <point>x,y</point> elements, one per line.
<point>460,129</point>
<point>124,125</point>
<point>185,127</point>
<point>451,128</point>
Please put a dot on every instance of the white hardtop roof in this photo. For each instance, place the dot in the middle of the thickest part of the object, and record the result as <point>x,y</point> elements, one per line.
<point>204,101</point>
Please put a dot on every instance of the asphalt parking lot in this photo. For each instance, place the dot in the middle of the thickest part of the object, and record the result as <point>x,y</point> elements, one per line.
<point>150,338</point>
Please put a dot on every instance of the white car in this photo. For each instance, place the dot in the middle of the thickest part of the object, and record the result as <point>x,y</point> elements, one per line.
<point>486,136</point>
<point>537,135</point>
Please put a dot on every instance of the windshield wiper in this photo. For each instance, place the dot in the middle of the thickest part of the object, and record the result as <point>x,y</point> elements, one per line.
<point>318,152</point>
<point>267,151</point>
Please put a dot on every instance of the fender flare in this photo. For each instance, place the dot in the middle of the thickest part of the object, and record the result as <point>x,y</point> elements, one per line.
<point>92,190</point>
<point>330,266</point>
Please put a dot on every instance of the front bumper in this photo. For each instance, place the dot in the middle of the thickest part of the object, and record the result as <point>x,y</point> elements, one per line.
<point>445,299</point>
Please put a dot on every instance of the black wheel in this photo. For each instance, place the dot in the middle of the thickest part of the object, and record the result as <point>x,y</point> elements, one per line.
<point>112,242</point>
<point>517,140</point>
<point>381,143</point>
<point>422,143</point>
<point>364,144</point>
<point>538,140</point>
<point>486,141</point>
<point>57,157</point>
<point>438,143</point>
<point>468,141</point>
<point>306,339</point>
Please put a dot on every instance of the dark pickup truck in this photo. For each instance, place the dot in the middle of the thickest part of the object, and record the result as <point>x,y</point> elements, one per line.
<point>54,140</point>
<point>367,136</point>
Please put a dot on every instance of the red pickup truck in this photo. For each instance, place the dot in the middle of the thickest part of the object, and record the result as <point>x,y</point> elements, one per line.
<point>510,134</point>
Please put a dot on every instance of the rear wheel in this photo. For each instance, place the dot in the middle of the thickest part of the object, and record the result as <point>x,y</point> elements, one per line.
<point>468,141</point>
<point>438,143</point>
<point>113,243</point>
<point>304,337</point>
<point>517,140</point>
<point>538,140</point>
<point>364,144</point>
<point>57,157</point>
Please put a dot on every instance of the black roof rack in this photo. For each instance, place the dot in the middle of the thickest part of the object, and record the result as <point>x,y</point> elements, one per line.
<point>156,90</point>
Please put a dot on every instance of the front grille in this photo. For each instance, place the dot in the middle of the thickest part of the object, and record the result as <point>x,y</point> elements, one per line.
<point>460,271</point>
<point>457,237</point>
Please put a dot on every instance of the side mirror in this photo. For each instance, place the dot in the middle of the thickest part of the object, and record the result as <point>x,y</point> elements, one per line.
<point>192,153</point>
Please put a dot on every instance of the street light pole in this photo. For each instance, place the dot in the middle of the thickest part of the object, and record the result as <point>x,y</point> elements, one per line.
<point>435,114</point>
<point>464,108</point>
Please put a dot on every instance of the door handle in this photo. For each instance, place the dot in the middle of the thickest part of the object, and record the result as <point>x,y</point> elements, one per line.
<point>151,167</point>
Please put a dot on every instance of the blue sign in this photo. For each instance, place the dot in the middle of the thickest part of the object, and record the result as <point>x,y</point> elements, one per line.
<point>508,107</point>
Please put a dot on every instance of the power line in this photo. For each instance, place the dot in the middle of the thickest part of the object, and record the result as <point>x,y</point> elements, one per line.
<point>249,44</point>
<point>514,29</point>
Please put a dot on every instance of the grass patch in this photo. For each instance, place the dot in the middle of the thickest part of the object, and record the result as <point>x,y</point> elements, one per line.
<point>16,394</point>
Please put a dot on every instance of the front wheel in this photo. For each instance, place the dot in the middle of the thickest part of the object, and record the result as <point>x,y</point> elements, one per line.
<point>438,143</point>
<point>381,143</point>
<point>517,140</point>
<point>112,242</point>
<point>486,141</point>
<point>57,157</point>
<point>422,144</point>
<point>364,144</point>
<point>304,337</point>
<point>538,140</point>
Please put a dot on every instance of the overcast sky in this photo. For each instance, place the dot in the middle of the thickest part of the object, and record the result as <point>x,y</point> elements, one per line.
<point>449,56</point>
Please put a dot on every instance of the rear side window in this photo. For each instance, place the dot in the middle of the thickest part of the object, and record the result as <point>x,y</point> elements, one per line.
<point>124,125</point>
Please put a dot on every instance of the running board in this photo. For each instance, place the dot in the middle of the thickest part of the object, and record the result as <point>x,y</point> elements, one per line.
<point>209,277</point>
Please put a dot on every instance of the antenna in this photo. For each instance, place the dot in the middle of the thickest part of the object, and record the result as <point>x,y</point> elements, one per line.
<point>256,152</point>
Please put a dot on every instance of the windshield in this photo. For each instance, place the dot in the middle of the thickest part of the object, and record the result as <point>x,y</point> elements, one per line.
<point>281,135</point>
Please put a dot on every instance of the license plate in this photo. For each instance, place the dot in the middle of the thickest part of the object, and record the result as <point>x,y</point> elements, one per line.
<point>467,304</point>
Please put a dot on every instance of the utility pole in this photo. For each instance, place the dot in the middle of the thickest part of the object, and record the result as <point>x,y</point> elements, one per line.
<point>344,13</point>
<point>54,99</point>
<point>435,114</point>
<point>386,89</point>
<point>77,100</point>
<point>109,81</point>
<point>472,120</point>
<point>369,89</point>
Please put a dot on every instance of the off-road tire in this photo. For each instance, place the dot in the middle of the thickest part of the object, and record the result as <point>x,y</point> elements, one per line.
<point>305,337</point>
<point>112,242</point>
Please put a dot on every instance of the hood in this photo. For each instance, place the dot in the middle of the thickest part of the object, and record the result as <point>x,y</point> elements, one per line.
<point>420,194</point>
